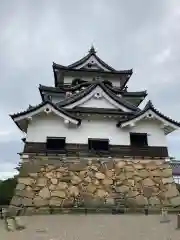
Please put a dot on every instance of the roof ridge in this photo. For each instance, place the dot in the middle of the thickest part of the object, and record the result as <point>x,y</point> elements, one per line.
<point>119,98</point>
<point>149,105</point>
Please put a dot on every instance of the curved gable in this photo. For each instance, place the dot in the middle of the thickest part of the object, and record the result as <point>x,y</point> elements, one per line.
<point>99,91</point>
<point>150,113</point>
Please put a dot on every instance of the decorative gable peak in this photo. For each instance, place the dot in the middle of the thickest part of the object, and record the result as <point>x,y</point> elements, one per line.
<point>22,119</point>
<point>91,58</point>
<point>91,61</point>
<point>92,50</point>
<point>97,95</point>
<point>89,66</point>
<point>151,113</point>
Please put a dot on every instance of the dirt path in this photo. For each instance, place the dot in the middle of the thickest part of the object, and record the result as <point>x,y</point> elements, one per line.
<point>94,227</point>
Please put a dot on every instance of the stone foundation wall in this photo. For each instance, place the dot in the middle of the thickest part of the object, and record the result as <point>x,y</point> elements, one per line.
<point>45,182</point>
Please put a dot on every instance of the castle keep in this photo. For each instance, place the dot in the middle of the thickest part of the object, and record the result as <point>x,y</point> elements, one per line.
<point>88,142</point>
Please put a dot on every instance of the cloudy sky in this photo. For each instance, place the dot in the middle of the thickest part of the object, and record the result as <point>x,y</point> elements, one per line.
<point>142,34</point>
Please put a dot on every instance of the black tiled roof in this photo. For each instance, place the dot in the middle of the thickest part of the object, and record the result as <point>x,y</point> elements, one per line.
<point>31,109</point>
<point>92,52</point>
<point>45,90</point>
<point>61,69</point>
<point>62,90</point>
<point>127,94</point>
<point>116,90</point>
<point>65,69</point>
<point>85,92</point>
<point>149,106</point>
<point>51,89</point>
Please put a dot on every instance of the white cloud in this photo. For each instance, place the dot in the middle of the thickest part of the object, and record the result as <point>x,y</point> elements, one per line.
<point>163,56</point>
<point>7,170</point>
<point>4,133</point>
<point>6,175</point>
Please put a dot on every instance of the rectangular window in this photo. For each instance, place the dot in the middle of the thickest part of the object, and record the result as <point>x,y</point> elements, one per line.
<point>138,139</point>
<point>98,144</point>
<point>54,143</point>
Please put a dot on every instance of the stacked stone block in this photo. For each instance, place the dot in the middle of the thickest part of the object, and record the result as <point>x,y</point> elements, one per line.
<point>47,182</point>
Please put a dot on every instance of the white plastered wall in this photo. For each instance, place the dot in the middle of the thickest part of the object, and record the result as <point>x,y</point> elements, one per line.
<point>156,136</point>
<point>41,127</point>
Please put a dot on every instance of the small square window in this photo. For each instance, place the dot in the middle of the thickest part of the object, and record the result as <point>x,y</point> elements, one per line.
<point>138,139</point>
<point>98,144</point>
<point>54,143</point>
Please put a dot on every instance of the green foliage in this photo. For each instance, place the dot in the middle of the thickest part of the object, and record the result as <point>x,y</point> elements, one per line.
<point>7,188</point>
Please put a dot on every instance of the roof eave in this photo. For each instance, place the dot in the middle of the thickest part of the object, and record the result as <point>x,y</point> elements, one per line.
<point>49,90</point>
<point>116,72</point>
<point>119,100</point>
<point>41,92</point>
<point>92,52</point>
<point>57,67</point>
<point>85,92</point>
<point>142,94</point>
<point>127,79</point>
<point>85,58</point>
<point>61,111</point>
<point>171,126</point>
<point>18,125</point>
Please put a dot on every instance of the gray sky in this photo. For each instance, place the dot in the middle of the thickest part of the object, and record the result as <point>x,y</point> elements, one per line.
<point>142,34</point>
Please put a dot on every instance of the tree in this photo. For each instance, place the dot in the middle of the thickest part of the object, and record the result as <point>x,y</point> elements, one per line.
<point>7,188</point>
